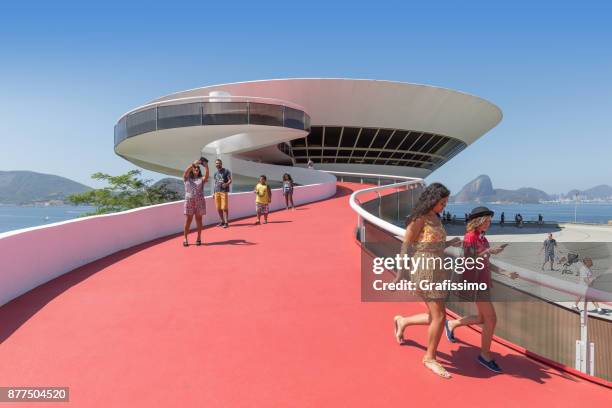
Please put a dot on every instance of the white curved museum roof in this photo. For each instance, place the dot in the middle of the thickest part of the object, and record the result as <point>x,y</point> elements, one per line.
<point>372,103</point>
<point>354,125</point>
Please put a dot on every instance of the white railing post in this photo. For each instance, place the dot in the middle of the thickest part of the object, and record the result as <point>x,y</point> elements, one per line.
<point>582,344</point>
<point>585,351</point>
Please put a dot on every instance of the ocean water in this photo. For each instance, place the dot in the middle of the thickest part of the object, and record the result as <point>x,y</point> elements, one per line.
<point>592,213</point>
<point>16,217</point>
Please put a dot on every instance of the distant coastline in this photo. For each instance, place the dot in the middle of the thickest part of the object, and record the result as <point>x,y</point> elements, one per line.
<point>480,190</point>
<point>589,213</point>
<point>50,203</point>
<point>558,202</point>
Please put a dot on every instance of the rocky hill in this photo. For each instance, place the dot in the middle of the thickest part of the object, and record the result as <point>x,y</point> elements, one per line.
<point>28,187</point>
<point>172,184</point>
<point>480,190</point>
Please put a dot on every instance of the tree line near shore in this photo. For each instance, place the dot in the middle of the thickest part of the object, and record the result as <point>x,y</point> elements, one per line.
<point>27,187</point>
<point>122,192</point>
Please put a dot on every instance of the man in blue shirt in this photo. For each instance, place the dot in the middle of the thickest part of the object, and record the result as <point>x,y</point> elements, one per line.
<point>223,180</point>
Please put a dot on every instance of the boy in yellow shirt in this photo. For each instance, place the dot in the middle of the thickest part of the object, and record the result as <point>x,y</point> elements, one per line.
<point>263,197</point>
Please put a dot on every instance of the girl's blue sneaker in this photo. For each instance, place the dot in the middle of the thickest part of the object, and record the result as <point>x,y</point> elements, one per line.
<point>491,364</point>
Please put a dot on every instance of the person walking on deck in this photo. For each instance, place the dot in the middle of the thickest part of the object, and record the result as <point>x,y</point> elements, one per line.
<point>586,279</point>
<point>425,237</point>
<point>223,180</point>
<point>263,197</point>
<point>549,251</point>
<point>288,191</point>
<point>476,246</point>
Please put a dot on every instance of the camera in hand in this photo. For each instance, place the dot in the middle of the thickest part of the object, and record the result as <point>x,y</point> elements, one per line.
<point>203,160</point>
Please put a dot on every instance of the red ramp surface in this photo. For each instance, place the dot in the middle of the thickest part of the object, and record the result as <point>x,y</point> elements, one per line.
<point>258,316</point>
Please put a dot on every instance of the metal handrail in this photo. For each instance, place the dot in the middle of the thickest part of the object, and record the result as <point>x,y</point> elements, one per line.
<point>371,218</point>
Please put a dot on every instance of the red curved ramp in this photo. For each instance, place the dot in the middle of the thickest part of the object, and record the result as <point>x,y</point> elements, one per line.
<point>260,316</point>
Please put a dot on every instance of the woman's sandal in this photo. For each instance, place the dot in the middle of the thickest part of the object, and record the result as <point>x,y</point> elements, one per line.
<point>437,368</point>
<point>185,243</point>
<point>399,336</point>
<point>198,242</point>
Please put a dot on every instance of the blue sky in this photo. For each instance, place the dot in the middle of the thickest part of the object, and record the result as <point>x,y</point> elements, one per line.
<point>68,70</point>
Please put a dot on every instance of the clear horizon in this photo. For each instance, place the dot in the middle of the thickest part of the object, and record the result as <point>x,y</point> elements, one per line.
<point>69,70</point>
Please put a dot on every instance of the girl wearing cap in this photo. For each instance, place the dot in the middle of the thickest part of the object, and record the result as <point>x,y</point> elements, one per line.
<point>425,237</point>
<point>475,244</point>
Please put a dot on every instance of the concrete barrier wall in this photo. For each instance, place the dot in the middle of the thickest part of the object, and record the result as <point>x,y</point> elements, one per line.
<point>33,256</point>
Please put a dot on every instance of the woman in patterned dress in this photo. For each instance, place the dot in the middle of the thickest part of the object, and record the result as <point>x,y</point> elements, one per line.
<point>425,238</point>
<point>195,205</point>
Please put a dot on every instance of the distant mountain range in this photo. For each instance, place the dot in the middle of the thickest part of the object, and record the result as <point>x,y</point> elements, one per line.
<point>480,190</point>
<point>600,192</point>
<point>28,187</point>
